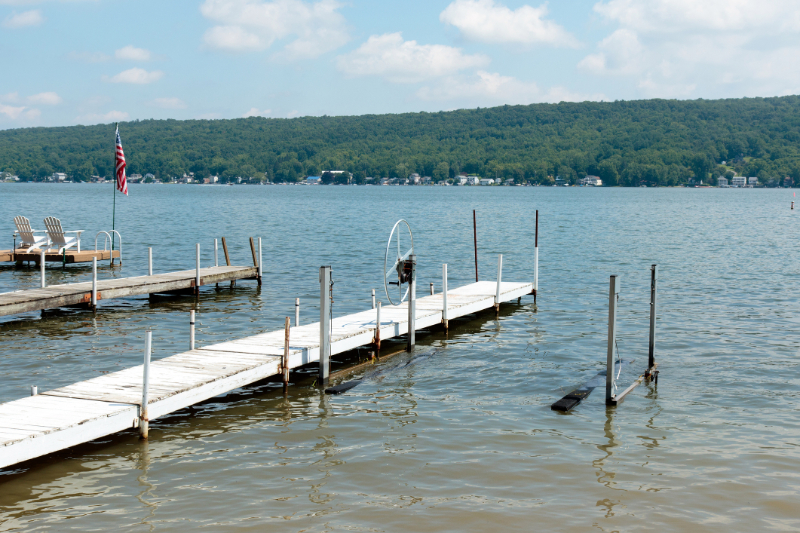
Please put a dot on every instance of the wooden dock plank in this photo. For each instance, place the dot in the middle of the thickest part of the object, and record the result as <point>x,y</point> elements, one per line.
<point>106,404</point>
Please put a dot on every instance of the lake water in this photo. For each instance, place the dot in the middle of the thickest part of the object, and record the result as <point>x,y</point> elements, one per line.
<point>463,440</point>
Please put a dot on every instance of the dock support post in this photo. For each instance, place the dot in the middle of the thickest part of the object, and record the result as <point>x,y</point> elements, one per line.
<point>431,288</point>
<point>536,260</point>
<point>197,274</point>
<point>613,292</point>
<point>191,329</point>
<point>373,298</point>
<point>499,278</point>
<point>260,266</point>
<point>324,324</point>
<point>41,267</point>
<point>378,328</point>
<point>475,235</point>
<point>285,360</point>
<point>444,296</point>
<point>651,352</point>
<point>296,312</point>
<point>216,253</point>
<point>144,421</point>
<point>34,390</point>
<point>225,251</point>
<point>412,304</point>
<point>94,283</point>
<point>150,261</point>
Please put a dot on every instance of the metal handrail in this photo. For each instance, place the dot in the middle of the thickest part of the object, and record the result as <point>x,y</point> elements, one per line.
<point>105,241</point>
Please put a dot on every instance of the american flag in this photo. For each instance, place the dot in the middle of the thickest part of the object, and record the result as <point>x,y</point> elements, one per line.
<point>119,159</point>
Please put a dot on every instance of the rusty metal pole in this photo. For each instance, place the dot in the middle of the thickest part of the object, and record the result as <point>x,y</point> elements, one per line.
<point>378,328</point>
<point>475,235</point>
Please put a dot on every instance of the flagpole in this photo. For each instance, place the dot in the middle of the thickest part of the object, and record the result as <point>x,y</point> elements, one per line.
<point>114,209</point>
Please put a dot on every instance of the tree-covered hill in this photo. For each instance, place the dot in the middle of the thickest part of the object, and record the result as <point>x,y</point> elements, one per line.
<point>664,142</point>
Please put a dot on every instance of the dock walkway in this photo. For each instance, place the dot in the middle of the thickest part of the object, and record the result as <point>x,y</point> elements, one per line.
<point>79,413</point>
<point>53,296</point>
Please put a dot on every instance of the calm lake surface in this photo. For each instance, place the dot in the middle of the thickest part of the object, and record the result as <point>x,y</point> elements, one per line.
<point>463,440</point>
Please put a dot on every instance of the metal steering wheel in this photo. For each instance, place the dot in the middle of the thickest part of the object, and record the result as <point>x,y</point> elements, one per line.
<point>393,261</point>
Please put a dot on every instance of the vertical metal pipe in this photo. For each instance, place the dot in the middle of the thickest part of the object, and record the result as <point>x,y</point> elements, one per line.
<point>150,261</point>
<point>536,257</point>
<point>216,253</point>
<point>34,390</point>
<point>41,267</point>
<point>285,360</point>
<point>431,288</point>
<point>444,295</point>
<point>651,352</point>
<point>378,328</point>
<point>613,291</point>
<point>412,304</point>
<point>191,329</point>
<point>197,274</point>
<point>475,235</point>
<point>94,283</point>
<point>499,279</point>
<point>260,265</point>
<point>144,420</point>
<point>324,324</point>
<point>373,298</point>
<point>296,312</point>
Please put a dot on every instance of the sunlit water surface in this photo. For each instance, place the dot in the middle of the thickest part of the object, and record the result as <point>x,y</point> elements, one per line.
<point>463,440</point>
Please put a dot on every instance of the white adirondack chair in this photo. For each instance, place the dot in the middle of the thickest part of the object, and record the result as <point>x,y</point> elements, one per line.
<point>58,239</point>
<point>28,237</point>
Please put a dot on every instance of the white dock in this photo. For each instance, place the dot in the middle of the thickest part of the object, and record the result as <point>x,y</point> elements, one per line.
<point>79,413</point>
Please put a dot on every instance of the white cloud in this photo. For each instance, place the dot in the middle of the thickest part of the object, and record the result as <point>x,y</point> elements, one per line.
<point>98,118</point>
<point>131,53</point>
<point>406,61</point>
<point>12,112</point>
<point>137,76</point>
<point>255,112</point>
<point>169,103</point>
<point>490,22</point>
<point>682,48</point>
<point>24,19</point>
<point>48,98</point>
<point>249,25</point>
<point>487,88</point>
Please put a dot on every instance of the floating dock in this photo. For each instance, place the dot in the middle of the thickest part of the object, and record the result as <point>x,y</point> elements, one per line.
<point>53,296</point>
<point>58,419</point>
<point>67,257</point>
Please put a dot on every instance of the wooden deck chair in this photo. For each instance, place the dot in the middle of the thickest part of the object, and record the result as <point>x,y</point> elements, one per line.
<point>28,237</point>
<point>58,239</point>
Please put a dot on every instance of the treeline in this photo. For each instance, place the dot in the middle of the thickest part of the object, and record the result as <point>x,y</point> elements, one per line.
<point>653,142</point>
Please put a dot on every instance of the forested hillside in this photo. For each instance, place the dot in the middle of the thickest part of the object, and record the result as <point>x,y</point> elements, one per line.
<point>664,142</point>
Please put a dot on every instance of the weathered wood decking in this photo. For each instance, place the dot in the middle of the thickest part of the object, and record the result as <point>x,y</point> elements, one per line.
<point>81,293</point>
<point>69,256</point>
<point>64,417</point>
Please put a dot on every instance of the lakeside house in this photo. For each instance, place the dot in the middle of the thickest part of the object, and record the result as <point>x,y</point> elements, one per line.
<point>591,181</point>
<point>473,180</point>
<point>752,182</point>
<point>460,180</point>
<point>738,181</point>
<point>313,180</point>
<point>486,181</point>
<point>722,182</point>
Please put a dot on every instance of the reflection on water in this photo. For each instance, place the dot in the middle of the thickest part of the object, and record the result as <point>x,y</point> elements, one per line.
<point>461,440</point>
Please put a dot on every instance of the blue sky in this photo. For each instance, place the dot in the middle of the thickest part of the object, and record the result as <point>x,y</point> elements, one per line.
<point>65,62</point>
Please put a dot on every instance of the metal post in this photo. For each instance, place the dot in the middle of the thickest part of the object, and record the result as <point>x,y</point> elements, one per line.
<point>613,291</point>
<point>197,274</point>
<point>378,328</point>
<point>431,288</point>
<point>34,390</point>
<point>324,324</point>
<point>536,260</point>
<point>475,235</point>
<point>412,304</point>
<point>41,267</point>
<point>260,266</point>
<point>373,298</point>
<point>499,278</point>
<point>651,360</point>
<point>216,253</point>
<point>444,295</point>
<point>191,329</point>
<point>296,312</point>
<point>144,421</point>
<point>94,283</point>
<point>285,360</point>
<point>150,261</point>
